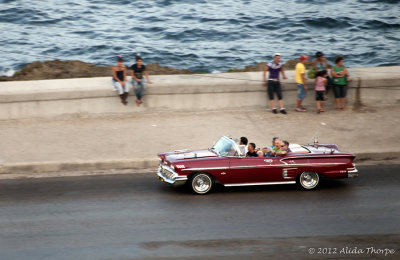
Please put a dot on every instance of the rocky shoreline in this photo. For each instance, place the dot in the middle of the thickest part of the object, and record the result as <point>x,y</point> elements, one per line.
<point>58,69</point>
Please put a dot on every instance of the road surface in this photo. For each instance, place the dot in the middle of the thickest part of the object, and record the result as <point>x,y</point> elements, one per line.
<point>135,216</point>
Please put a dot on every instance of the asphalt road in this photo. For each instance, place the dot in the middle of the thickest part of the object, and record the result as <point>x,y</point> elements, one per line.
<point>134,216</point>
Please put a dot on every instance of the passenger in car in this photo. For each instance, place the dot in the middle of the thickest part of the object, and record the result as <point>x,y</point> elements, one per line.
<point>267,150</point>
<point>252,150</point>
<point>277,148</point>
<point>284,149</point>
<point>273,142</point>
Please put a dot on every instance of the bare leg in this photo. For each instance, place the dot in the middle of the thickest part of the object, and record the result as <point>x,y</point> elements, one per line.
<point>299,103</point>
<point>272,104</point>
<point>281,103</point>
<point>337,101</point>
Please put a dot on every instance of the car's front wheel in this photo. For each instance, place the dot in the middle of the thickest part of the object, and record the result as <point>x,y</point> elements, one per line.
<point>308,180</point>
<point>201,183</point>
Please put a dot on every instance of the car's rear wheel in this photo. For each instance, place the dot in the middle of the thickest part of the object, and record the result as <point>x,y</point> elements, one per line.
<point>308,180</point>
<point>201,183</point>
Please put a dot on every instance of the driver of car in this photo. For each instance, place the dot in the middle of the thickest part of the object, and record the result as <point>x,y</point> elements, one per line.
<point>243,145</point>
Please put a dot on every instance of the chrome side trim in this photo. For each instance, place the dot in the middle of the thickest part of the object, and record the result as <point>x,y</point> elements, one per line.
<point>285,173</point>
<point>260,183</point>
<point>284,165</point>
<point>205,169</point>
<point>311,156</point>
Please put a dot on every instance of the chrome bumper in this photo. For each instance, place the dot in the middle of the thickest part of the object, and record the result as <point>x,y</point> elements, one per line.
<point>352,173</point>
<point>168,175</point>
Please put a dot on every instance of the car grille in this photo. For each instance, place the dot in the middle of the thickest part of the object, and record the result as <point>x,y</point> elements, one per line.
<point>167,173</point>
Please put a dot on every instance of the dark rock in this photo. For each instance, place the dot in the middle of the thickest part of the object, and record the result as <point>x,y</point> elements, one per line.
<point>58,69</point>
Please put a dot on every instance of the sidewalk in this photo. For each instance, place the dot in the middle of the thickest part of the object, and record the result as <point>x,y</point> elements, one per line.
<point>121,142</point>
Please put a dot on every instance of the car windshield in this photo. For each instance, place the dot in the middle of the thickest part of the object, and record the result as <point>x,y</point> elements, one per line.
<point>225,146</point>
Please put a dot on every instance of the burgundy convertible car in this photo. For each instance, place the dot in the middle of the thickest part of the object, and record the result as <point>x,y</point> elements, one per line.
<point>225,163</point>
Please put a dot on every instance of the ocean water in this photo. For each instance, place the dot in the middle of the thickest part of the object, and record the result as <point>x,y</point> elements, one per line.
<point>200,35</point>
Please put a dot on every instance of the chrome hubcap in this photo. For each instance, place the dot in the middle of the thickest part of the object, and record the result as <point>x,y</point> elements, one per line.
<point>309,179</point>
<point>201,183</point>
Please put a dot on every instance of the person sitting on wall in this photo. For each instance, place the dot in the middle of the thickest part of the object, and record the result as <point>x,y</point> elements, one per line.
<point>119,80</point>
<point>139,74</point>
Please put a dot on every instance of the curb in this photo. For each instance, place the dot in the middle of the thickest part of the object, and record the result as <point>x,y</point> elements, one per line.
<point>34,168</point>
<point>377,156</point>
<point>29,169</point>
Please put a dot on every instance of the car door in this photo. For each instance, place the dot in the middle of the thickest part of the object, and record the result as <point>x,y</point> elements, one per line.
<point>255,170</point>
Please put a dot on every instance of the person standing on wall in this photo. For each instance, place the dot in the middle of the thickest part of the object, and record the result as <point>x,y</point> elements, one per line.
<point>138,82</point>
<point>274,86</point>
<point>119,80</point>
<point>339,74</point>
<point>301,83</point>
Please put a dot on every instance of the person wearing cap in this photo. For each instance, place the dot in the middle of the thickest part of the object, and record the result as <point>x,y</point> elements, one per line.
<point>119,80</point>
<point>274,86</point>
<point>301,82</point>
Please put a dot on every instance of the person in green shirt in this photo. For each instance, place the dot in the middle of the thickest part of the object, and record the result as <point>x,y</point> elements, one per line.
<point>277,148</point>
<point>339,74</point>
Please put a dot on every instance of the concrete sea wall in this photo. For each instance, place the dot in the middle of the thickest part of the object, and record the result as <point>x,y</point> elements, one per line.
<point>94,96</point>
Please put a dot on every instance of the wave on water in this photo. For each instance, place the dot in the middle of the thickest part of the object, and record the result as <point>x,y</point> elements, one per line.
<point>198,35</point>
<point>328,22</point>
<point>376,24</point>
<point>7,73</point>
